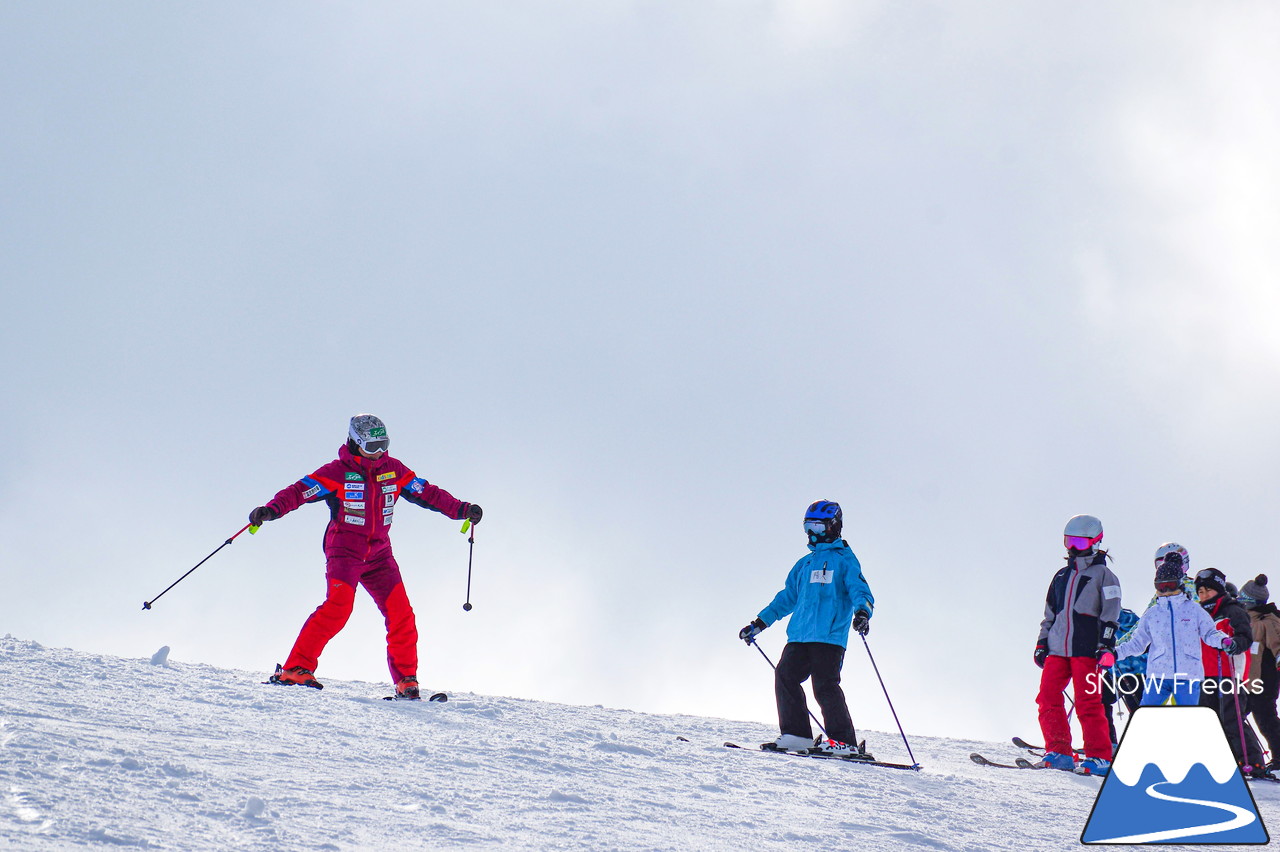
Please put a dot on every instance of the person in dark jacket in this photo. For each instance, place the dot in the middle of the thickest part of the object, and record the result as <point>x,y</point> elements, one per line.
<point>1265,621</point>
<point>1077,634</point>
<point>1264,618</point>
<point>1224,670</point>
<point>361,487</point>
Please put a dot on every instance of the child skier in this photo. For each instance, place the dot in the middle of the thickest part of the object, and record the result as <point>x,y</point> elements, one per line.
<point>824,594</point>
<point>361,487</point>
<point>1076,634</point>
<point>1222,674</point>
<point>1171,632</point>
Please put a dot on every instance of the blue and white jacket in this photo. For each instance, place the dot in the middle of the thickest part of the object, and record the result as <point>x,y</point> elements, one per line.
<point>823,591</point>
<point>1173,628</point>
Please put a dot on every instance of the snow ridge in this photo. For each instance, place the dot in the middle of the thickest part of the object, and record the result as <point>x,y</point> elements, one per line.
<point>98,750</point>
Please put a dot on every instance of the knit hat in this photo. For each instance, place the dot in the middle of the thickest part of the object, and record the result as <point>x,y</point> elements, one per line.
<point>1168,577</point>
<point>1254,593</point>
<point>1211,578</point>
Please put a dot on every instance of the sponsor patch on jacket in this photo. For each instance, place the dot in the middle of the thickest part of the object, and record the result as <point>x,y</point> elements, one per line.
<point>353,495</point>
<point>383,477</point>
<point>387,510</point>
<point>353,504</point>
<point>311,492</point>
<point>388,489</point>
<point>389,500</point>
<point>353,519</point>
<point>354,477</point>
<point>417,485</point>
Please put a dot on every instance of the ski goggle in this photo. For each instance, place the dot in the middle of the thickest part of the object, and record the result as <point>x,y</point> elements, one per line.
<point>374,445</point>
<point>1080,542</point>
<point>1209,574</point>
<point>815,527</point>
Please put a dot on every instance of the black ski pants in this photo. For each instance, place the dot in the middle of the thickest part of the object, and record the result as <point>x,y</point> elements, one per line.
<point>1224,704</point>
<point>1263,705</point>
<point>822,662</point>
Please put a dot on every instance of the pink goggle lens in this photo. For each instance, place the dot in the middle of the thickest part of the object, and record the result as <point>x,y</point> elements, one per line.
<point>1079,542</point>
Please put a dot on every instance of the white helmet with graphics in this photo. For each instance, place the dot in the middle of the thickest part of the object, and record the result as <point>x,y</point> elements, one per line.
<point>1082,533</point>
<point>369,433</point>
<point>1174,554</point>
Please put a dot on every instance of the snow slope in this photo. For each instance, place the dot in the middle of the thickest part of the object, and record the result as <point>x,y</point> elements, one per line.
<point>99,751</point>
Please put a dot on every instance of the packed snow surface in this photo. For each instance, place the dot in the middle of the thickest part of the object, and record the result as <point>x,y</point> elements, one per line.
<point>158,753</point>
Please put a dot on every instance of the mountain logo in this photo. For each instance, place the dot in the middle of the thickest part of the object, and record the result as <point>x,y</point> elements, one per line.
<point>1174,780</point>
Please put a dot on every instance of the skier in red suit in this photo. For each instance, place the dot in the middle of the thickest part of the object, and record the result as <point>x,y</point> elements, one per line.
<point>361,487</point>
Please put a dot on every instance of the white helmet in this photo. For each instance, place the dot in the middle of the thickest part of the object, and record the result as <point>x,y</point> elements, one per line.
<point>1084,525</point>
<point>369,433</point>
<point>1172,553</point>
<point>1082,533</point>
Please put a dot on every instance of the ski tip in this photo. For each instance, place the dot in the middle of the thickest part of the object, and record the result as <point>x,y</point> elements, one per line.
<point>682,739</point>
<point>439,698</point>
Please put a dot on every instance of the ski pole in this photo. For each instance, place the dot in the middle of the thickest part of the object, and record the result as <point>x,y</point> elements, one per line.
<point>471,549</point>
<point>914,764</point>
<point>1235,696</point>
<point>753,644</point>
<point>250,527</point>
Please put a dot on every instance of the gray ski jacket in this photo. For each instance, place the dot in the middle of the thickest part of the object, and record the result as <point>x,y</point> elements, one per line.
<point>1081,608</point>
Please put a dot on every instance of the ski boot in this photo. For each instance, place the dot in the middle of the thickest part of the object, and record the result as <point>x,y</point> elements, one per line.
<point>407,689</point>
<point>1057,760</point>
<point>790,742</point>
<point>835,748</point>
<point>295,675</point>
<point>1099,766</point>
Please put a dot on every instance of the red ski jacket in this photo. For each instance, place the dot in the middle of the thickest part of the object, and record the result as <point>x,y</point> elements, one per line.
<point>362,495</point>
<point>1231,618</point>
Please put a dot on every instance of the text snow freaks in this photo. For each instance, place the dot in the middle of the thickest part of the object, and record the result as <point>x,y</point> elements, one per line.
<point>1132,684</point>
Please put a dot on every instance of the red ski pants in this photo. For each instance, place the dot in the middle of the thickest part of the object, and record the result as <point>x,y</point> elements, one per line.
<point>381,580</point>
<point>1058,672</point>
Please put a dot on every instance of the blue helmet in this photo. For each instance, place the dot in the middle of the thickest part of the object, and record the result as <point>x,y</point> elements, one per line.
<point>823,521</point>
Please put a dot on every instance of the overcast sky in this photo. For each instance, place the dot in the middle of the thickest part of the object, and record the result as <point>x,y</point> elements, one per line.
<point>643,279</point>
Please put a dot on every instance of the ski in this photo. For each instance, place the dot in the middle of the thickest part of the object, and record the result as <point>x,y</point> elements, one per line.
<point>1038,751</point>
<point>438,697</point>
<point>768,747</point>
<point>982,761</point>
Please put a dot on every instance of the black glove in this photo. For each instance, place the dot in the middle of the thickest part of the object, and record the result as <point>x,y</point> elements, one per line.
<point>1042,652</point>
<point>751,631</point>
<point>261,515</point>
<point>1236,645</point>
<point>862,622</point>
<point>474,513</point>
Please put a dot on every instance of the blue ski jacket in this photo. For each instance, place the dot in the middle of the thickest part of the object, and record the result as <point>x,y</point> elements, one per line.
<point>823,591</point>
